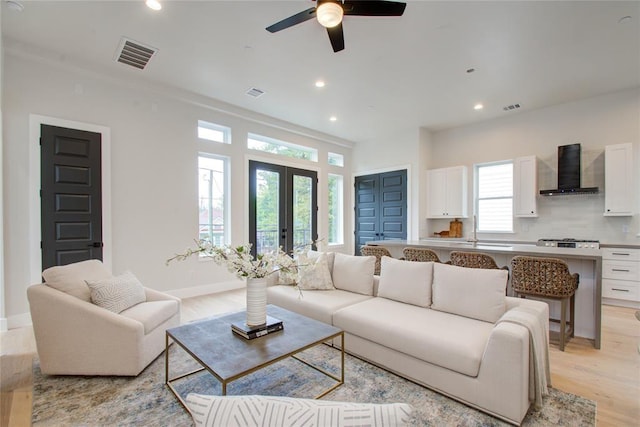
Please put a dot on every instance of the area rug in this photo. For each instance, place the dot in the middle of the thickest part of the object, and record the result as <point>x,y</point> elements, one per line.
<point>146,401</point>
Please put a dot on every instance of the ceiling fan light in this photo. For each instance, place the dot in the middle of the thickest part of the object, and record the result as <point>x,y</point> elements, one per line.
<point>329,14</point>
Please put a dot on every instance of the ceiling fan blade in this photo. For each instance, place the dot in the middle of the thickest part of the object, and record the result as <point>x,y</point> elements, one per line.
<point>373,8</point>
<point>298,18</point>
<point>337,37</point>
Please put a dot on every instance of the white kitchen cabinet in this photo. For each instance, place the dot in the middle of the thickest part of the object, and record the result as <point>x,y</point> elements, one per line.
<point>621,275</point>
<point>618,180</point>
<point>447,192</point>
<point>525,186</point>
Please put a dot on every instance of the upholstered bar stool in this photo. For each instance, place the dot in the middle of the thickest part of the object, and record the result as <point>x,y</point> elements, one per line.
<point>420,254</point>
<point>548,278</point>
<point>376,251</point>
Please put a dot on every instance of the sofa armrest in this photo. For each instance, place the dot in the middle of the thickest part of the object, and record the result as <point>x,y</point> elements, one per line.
<point>153,295</point>
<point>71,332</point>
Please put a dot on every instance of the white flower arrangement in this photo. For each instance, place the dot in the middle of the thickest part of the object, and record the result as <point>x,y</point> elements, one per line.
<point>240,261</point>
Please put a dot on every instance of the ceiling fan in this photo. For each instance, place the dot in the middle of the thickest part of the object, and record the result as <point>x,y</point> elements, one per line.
<point>330,12</point>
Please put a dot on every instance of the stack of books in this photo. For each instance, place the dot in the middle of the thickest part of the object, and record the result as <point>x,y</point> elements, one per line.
<point>251,332</point>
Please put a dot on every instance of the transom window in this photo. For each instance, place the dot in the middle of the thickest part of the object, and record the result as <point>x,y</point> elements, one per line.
<point>335,159</point>
<point>287,149</point>
<point>213,224</point>
<point>494,190</point>
<point>214,132</point>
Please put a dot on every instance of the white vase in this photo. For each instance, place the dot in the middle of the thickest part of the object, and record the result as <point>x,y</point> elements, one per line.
<point>256,302</point>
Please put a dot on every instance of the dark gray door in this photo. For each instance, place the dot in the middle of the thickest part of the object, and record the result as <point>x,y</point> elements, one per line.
<point>71,196</point>
<point>380,207</point>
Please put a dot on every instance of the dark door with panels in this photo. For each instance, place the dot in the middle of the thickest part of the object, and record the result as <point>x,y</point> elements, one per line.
<point>380,207</point>
<point>71,197</point>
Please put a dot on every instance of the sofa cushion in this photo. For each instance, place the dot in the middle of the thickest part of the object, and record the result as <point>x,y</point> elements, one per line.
<point>471,292</point>
<point>450,341</point>
<point>276,411</point>
<point>406,281</point>
<point>314,274</point>
<point>117,293</point>
<point>319,305</point>
<point>354,273</point>
<point>70,278</point>
<point>152,313</point>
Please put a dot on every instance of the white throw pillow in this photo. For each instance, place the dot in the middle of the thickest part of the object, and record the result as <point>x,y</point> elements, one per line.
<point>331,256</point>
<point>406,281</point>
<point>276,411</point>
<point>354,273</point>
<point>470,292</point>
<point>70,278</point>
<point>117,293</point>
<point>314,274</point>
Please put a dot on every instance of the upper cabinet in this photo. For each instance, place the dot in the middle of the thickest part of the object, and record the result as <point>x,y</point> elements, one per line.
<point>447,192</point>
<point>618,180</point>
<point>525,186</point>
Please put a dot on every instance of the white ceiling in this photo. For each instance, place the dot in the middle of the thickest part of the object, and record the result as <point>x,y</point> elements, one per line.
<point>395,74</point>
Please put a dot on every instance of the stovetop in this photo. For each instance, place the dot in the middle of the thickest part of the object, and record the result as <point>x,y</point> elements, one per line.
<point>569,243</point>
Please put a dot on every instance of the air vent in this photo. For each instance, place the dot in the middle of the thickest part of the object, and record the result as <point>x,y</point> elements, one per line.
<point>511,107</point>
<point>134,54</point>
<point>255,93</point>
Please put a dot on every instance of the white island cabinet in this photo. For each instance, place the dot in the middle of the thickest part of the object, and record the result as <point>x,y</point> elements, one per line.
<point>525,186</point>
<point>618,180</point>
<point>621,276</point>
<point>447,192</point>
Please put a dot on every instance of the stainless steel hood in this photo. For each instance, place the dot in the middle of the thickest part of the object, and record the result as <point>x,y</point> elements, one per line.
<point>569,173</point>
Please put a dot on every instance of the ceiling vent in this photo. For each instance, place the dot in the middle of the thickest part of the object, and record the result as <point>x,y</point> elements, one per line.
<point>255,93</point>
<point>134,54</point>
<point>511,107</point>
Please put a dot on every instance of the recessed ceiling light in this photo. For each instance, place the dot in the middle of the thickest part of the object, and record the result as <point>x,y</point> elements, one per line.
<point>624,19</point>
<point>333,118</point>
<point>478,106</point>
<point>153,4</point>
<point>320,83</point>
<point>16,6</point>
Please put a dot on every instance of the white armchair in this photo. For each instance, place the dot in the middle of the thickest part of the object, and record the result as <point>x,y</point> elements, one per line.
<point>77,337</point>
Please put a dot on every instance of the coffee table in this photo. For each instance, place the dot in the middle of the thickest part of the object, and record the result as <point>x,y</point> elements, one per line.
<point>229,357</point>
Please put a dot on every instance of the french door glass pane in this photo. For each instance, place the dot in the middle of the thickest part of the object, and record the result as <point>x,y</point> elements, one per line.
<point>267,209</point>
<point>302,214</point>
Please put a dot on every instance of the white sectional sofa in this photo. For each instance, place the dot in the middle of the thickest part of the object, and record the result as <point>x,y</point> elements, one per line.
<point>441,326</point>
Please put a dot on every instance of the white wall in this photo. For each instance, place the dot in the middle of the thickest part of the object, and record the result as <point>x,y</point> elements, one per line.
<point>594,123</point>
<point>3,317</point>
<point>153,176</point>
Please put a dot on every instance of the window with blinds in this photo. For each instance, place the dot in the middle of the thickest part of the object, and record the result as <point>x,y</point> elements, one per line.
<point>494,197</point>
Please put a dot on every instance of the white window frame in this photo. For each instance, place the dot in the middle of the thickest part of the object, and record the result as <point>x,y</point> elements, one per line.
<point>335,159</point>
<point>339,214</point>
<point>226,239</point>
<point>253,138</point>
<point>477,198</point>
<point>204,127</point>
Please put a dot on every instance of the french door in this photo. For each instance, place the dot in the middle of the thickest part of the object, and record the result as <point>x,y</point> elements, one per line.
<point>283,207</point>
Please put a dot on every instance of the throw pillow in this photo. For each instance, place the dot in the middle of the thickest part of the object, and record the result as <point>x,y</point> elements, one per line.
<point>354,273</point>
<point>117,293</point>
<point>470,292</point>
<point>314,274</point>
<point>70,278</point>
<point>406,281</point>
<point>275,411</point>
<point>331,256</point>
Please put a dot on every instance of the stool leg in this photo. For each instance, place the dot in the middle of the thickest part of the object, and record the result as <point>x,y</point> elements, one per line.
<point>563,322</point>
<point>572,307</point>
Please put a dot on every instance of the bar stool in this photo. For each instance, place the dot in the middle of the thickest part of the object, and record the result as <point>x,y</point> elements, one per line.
<point>420,254</point>
<point>473,260</point>
<point>547,278</point>
<point>376,251</point>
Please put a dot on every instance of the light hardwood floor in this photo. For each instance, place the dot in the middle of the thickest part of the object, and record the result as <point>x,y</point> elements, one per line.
<point>610,376</point>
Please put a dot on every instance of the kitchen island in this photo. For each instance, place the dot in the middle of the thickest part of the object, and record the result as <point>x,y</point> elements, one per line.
<point>586,262</point>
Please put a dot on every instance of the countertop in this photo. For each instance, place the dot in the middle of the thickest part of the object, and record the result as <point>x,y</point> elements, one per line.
<point>504,248</point>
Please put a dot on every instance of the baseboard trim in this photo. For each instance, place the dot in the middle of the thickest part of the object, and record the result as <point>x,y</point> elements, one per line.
<point>213,288</point>
<point>19,321</point>
<point>3,324</point>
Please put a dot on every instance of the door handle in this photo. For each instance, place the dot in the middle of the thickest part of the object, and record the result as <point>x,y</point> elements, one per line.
<point>95,245</point>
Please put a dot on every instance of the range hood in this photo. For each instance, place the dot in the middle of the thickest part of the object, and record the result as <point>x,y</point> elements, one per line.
<point>569,171</point>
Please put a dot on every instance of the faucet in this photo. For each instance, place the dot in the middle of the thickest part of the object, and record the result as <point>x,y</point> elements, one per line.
<point>474,238</point>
